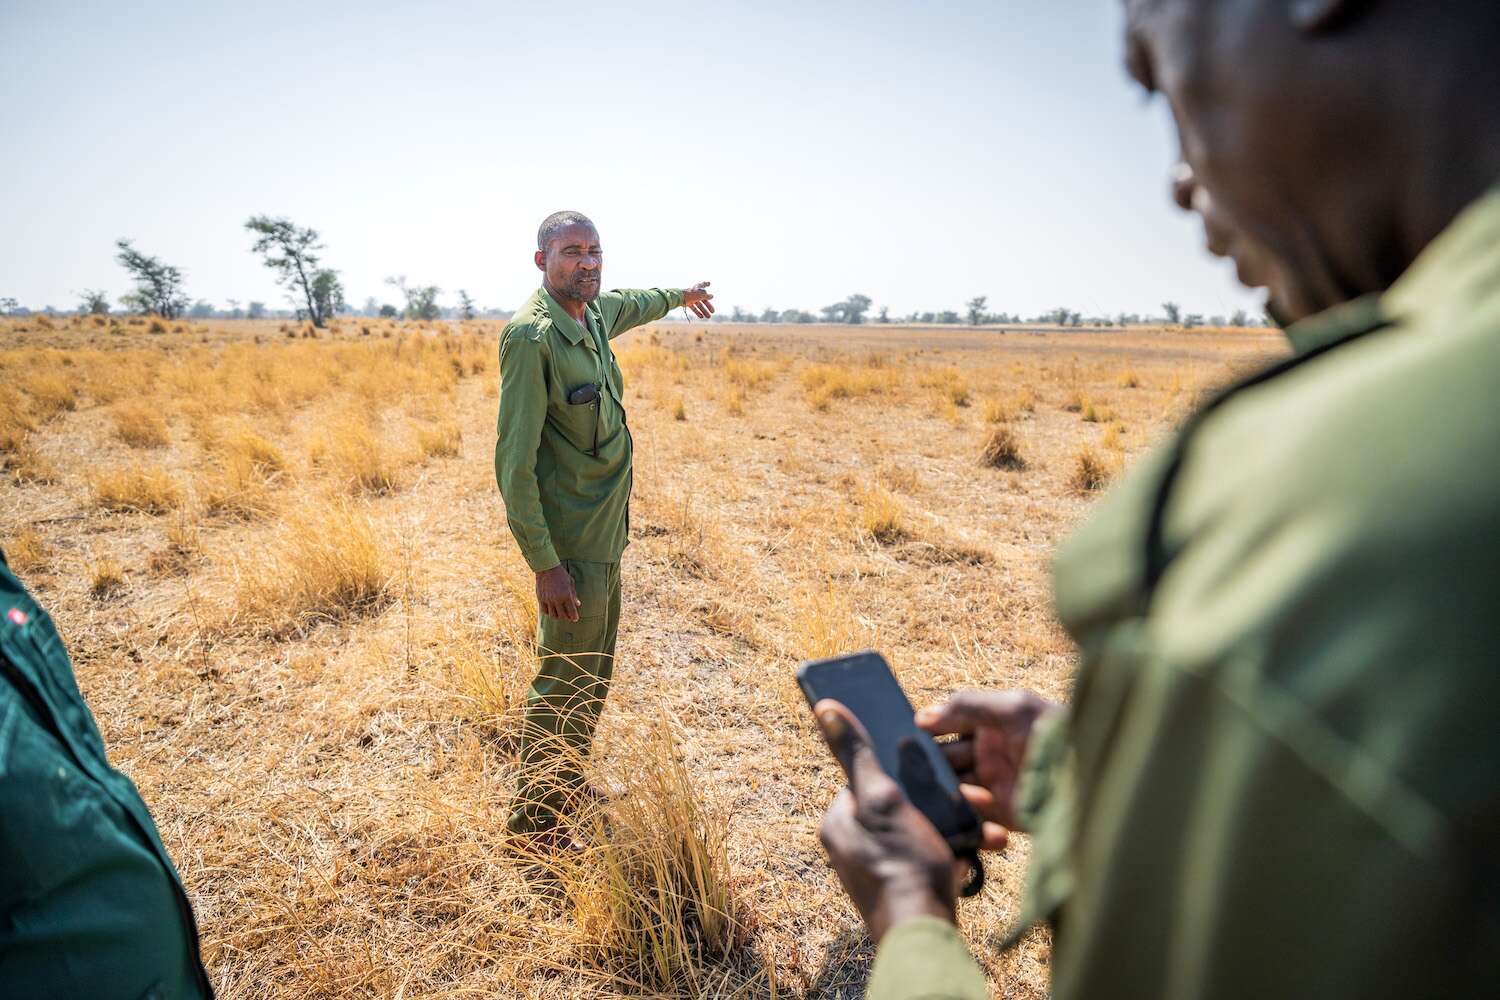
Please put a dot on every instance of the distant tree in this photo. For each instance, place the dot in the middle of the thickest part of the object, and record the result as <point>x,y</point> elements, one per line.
<point>884,316</point>
<point>855,307</point>
<point>421,300</point>
<point>738,315</point>
<point>158,286</point>
<point>328,294</point>
<point>235,312</point>
<point>975,309</point>
<point>93,303</point>
<point>949,316</point>
<point>256,310</point>
<point>371,306</point>
<point>201,310</point>
<point>1173,312</point>
<point>292,252</point>
<point>389,311</point>
<point>1192,319</point>
<point>8,305</point>
<point>1240,318</point>
<point>465,305</point>
<point>769,315</point>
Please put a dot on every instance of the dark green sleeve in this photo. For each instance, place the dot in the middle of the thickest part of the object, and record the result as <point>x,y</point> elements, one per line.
<point>627,308</point>
<point>523,412</point>
<point>925,959</point>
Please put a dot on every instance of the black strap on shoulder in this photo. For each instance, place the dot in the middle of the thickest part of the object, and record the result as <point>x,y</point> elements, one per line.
<point>1157,556</point>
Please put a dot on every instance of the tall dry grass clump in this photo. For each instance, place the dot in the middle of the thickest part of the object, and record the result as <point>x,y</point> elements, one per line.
<point>353,456</point>
<point>146,488</point>
<point>651,898</point>
<point>882,515</point>
<point>1090,471</point>
<point>50,394</point>
<point>140,425</point>
<point>1002,450</point>
<point>441,441</point>
<point>824,383</point>
<point>27,551</point>
<point>326,563</point>
<point>242,469</point>
<point>949,383</point>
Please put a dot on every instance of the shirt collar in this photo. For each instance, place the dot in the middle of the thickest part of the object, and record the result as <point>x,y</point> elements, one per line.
<point>568,326</point>
<point>1460,265</point>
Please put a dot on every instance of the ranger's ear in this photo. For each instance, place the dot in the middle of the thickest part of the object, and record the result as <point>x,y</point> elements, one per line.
<point>1314,16</point>
<point>541,261</point>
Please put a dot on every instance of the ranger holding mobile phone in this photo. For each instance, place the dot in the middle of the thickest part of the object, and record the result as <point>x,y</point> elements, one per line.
<point>563,463</point>
<point>1280,774</point>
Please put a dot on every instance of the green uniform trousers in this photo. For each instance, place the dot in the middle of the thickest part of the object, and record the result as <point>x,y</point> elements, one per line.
<point>575,661</point>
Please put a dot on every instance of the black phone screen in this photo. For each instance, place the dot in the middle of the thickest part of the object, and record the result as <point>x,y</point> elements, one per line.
<point>863,682</point>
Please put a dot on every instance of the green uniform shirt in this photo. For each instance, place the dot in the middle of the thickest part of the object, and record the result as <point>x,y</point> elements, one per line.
<point>564,469</point>
<point>90,905</point>
<point>1281,774</point>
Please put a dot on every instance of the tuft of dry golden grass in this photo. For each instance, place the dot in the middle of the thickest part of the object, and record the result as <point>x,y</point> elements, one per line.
<point>1002,450</point>
<point>882,516</point>
<point>1090,471</point>
<point>326,563</point>
<point>443,441</point>
<point>106,577</point>
<point>140,425</point>
<point>138,487</point>
<point>27,552</point>
<point>343,656</point>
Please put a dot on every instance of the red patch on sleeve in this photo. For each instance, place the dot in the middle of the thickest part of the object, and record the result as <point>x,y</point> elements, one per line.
<point>17,616</point>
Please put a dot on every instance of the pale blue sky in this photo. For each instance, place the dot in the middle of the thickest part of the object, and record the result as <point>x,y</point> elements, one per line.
<point>792,153</point>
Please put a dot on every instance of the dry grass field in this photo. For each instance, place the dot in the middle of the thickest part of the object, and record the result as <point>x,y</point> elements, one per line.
<point>283,569</point>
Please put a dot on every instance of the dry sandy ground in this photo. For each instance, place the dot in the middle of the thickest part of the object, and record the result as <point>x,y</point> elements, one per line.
<point>332,775</point>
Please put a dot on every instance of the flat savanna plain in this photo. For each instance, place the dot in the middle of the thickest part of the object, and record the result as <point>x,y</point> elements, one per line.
<point>283,570</point>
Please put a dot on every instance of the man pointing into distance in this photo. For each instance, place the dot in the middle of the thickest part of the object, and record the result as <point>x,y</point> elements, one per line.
<point>563,462</point>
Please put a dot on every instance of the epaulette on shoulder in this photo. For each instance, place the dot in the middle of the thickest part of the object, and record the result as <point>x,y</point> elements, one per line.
<point>530,325</point>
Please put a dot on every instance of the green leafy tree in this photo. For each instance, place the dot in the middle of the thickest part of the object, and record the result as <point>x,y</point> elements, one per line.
<point>1240,318</point>
<point>1173,312</point>
<point>158,286</point>
<point>465,305</point>
<point>421,300</point>
<point>93,303</point>
<point>328,293</point>
<point>389,311</point>
<point>292,252</point>
<point>256,310</point>
<point>976,309</point>
<point>8,305</point>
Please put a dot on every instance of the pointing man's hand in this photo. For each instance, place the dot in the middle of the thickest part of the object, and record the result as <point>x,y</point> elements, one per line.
<point>699,300</point>
<point>555,594</point>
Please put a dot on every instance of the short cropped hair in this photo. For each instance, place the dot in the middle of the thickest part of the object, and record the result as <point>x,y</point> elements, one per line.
<point>556,223</point>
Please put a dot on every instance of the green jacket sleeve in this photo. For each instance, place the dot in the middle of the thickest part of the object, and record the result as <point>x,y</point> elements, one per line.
<point>627,308</point>
<point>925,959</point>
<point>523,412</point>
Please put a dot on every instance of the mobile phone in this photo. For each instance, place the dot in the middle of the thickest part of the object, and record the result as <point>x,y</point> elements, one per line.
<point>864,684</point>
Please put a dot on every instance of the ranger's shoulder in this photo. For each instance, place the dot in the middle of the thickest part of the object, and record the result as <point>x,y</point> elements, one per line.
<point>529,324</point>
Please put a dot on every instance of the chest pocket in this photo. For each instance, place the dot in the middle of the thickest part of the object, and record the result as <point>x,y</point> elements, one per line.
<point>575,366</point>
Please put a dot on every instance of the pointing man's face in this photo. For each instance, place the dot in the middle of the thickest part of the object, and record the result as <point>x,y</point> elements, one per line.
<point>573,263</point>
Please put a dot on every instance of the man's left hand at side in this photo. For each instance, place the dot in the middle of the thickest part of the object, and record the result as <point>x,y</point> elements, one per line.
<point>699,300</point>
<point>891,860</point>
